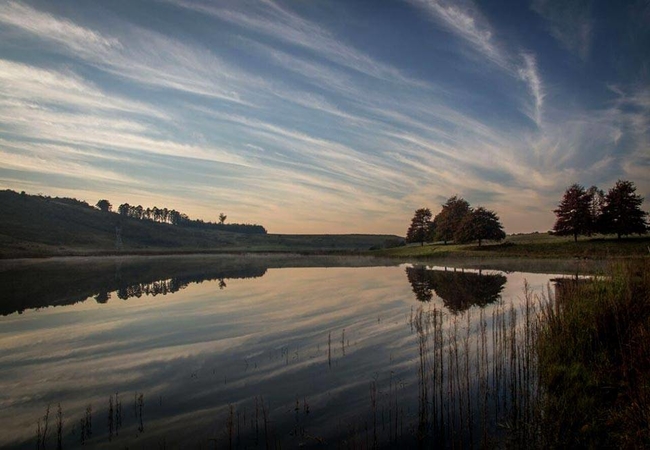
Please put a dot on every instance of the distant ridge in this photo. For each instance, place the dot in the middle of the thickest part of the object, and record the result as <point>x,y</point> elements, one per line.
<point>37,226</point>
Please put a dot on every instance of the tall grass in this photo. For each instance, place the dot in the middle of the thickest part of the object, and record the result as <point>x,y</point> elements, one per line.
<point>594,354</point>
<point>475,386</point>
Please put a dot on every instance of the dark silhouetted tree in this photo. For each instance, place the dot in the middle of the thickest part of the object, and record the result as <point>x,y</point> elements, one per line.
<point>222,218</point>
<point>596,204</point>
<point>447,221</point>
<point>104,205</point>
<point>420,228</point>
<point>479,225</point>
<point>622,212</point>
<point>573,213</point>
<point>124,209</point>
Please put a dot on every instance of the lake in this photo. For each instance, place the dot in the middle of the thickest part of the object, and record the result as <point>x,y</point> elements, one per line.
<point>248,352</point>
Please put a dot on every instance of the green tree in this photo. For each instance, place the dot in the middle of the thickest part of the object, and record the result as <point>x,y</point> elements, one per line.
<point>420,229</point>
<point>447,221</point>
<point>622,212</point>
<point>104,205</point>
<point>573,213</point>
<point>479,225</point>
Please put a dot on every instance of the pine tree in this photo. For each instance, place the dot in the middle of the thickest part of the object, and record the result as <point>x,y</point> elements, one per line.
<point>596,204</point>
<point>573,213</point>
<point>622,212</point>
<point>420,228</point>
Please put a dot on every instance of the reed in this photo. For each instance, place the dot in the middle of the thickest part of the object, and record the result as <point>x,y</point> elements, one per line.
<point>477,383</point>
<point>594,360</point>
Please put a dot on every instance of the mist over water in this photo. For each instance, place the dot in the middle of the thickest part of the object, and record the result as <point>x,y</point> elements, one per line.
<point>244,352</point>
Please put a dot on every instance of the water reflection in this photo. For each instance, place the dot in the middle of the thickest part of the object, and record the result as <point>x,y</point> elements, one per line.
<point>56,284</point>
<point>459,290</point>
<point>305,356</point>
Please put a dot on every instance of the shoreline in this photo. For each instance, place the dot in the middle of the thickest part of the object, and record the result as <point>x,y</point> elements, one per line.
<point>505,263</point>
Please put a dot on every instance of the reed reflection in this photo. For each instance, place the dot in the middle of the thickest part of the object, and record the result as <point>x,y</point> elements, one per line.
<point>459,290</point>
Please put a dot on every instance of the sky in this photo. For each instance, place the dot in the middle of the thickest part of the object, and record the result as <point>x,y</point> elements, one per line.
<point>314,116</point>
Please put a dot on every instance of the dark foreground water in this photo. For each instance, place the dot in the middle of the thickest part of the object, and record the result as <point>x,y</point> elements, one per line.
<point>245,353</point>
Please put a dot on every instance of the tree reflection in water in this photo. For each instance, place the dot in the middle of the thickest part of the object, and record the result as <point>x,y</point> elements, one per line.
<point>458,290</point>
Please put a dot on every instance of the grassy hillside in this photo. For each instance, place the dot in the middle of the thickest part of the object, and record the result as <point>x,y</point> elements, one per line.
<point>44,226</point>
<point>532,245</point>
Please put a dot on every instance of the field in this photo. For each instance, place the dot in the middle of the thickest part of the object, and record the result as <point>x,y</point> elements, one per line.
<point>532,245</point>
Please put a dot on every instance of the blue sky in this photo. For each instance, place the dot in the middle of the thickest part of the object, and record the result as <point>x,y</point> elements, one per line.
<point>325,116</point>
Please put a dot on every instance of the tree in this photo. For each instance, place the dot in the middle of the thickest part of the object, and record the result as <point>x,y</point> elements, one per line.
<point>596,203</point>
<point>104,205</point>
<point>222,218</point>
<point>573,213</point>
<point>447,221</point>
<point>420,228</point>
<point>622,212</point>
<point>124,209</point>
<point>480,224</point>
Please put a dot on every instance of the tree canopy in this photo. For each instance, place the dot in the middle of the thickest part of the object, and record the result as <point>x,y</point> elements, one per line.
<point>478,225</point>
<point>621,212</point>
<point>574,213</point>
<point>104,205</point>
<point>584,212</point>
<point>448,220</point>
<point>420,229</point>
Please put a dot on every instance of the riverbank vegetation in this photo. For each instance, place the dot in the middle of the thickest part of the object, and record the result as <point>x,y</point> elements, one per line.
<point>594,360</point>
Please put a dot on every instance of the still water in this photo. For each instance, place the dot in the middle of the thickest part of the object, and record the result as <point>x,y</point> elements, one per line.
<point>252,352</point>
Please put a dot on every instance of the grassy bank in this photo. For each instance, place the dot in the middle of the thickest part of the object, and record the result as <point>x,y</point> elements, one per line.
<point>594,359</point>
<point>532,245</point>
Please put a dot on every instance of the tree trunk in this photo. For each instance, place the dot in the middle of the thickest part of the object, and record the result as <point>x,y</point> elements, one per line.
<point>421,243</point>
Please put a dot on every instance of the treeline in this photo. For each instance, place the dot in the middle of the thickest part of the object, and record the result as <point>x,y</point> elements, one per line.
<point>173,217</point>
<point>590,211</point>
<point>458,222</point>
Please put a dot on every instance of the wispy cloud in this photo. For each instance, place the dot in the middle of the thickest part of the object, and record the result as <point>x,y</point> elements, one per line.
<point>150,58</point>
<point>58,161</point>
<point>25,83</point>
<point>463,19</point>
<point>570,22</point>
<point>280,23</point>
<point>61,31</point>
<point>530,74</point>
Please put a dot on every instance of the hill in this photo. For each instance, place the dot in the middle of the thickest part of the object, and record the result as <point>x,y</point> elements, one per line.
<point>34,225</point>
